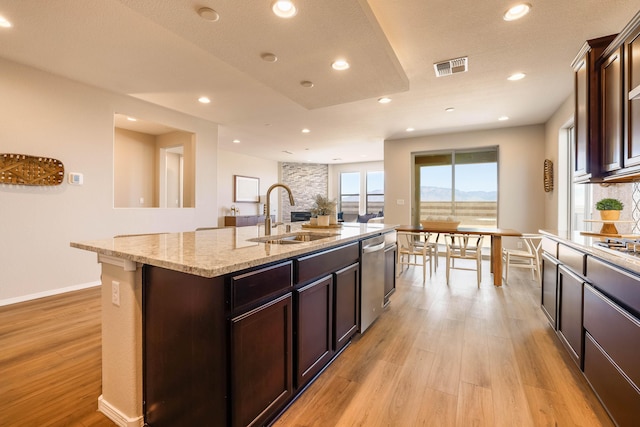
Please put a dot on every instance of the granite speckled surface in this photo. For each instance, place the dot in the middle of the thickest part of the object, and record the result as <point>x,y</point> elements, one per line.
<point>211,253</point>
<point>586,245</point>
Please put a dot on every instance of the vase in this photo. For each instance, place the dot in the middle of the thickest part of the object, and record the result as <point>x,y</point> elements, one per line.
<point>323,220</point>
<point>609,215</point>
<point>333,220</point>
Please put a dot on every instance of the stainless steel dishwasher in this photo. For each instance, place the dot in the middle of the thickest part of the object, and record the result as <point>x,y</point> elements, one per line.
<point>371,280</point>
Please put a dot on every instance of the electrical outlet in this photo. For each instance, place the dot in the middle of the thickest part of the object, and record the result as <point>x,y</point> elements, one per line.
<point>115,293</point>
<point>519,245</point>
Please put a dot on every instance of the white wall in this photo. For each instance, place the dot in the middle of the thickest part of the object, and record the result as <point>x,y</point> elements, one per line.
<point>556,149</point>
<point>520,184</point>
<point>230,164</point>
<point>45,115</point>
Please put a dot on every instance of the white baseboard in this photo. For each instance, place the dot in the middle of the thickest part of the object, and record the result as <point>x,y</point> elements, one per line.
<point>52,292</point>
<point>118,417</point>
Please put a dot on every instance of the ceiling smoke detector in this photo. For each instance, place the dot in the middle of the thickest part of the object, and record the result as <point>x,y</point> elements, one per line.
<point>451,66</point>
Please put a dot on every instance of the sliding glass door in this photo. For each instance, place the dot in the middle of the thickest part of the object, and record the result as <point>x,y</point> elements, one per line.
<point>460,185</point>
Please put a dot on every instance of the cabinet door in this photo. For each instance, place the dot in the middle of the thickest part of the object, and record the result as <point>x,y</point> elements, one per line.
<point>261,362</point>
<point>581,149</point>
<point>346,311</point>
<point>389,272</point>
<point>632,146</point>
<point>570,305</point>
<point>549,298</point>
<point>314,320</point>
<point>611,74</point>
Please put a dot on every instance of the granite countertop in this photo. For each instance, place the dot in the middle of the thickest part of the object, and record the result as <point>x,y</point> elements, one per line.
<point>586,244</point>
<point>211,253</point>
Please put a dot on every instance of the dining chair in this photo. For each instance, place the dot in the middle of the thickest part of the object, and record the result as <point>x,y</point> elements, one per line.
<point>464,246</point>
<point>413,251</point>
<point>431,240</point>
<point>519,258</point>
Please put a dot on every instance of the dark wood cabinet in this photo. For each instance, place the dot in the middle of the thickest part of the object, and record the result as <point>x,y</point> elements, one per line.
<point>314,328</point>
<point>390,255</point>
<point>182,387</point>
<point>261,363</point>
<point>587,149</point>
<point>612,111</point>
<point>611,366</point>
<point>346,308</point>
<point>570,312</point>
<point>632,98</point>
<point>549,298</point>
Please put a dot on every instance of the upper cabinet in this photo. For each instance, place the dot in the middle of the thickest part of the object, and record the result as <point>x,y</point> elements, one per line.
<point>587,116</point>
<point>632,118</point>
<point>612,120</point>
<point>607,112</point>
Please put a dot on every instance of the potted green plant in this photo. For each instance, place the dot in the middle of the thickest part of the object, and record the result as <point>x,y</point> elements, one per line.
<point>322,208</point>
<point>609,209</point>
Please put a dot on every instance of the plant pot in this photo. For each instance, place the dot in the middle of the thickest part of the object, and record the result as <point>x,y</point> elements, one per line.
<point>313,221</point>
<point>609,215</point>
<point>323,220</point>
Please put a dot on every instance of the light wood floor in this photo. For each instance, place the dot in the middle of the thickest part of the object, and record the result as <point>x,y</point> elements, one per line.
<point>439,355</point>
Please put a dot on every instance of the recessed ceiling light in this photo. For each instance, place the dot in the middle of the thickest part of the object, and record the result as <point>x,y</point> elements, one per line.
<point>384,100</point>
<point>306,83</point>
<point>204,100</point>
<point>208,14</point>
<point>516,12</point>
<point>269,57</point>
<point>503,118</point>
<point>305,130</point>
<point>284,8</point>
<point>410,129</point>
<point>516,76</point>
<point>340,65</point>
<point>4,22</point>
<point>450,109</point>
<point>236,141</point>
<point>132,119</point>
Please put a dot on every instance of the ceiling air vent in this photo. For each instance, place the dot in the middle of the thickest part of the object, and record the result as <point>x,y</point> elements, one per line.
<point>451,66</point>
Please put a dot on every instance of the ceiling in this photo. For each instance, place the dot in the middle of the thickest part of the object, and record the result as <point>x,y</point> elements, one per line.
<point>165,53</point>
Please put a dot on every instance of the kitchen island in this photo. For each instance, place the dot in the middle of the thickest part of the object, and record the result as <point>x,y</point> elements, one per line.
<point>591,296</point>
<point>225,326</point>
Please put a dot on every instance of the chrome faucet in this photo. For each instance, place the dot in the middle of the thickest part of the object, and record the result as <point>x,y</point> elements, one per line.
<point>267,220</point>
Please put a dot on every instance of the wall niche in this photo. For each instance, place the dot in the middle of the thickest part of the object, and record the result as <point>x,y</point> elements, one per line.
<point>154,165</point>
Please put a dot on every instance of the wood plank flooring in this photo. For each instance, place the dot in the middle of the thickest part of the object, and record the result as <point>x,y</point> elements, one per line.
<point>457,355</point>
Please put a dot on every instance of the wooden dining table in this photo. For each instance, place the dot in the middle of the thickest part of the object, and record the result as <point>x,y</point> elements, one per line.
<point>496,242</point>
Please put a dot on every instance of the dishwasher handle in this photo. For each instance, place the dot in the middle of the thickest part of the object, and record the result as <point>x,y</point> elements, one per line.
<point>372,248</point>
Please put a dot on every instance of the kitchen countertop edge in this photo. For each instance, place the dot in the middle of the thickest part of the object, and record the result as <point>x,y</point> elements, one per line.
<point>211,253</point>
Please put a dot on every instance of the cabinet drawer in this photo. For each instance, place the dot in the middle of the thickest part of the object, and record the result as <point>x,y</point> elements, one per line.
<point>572,258</point>
<point>619,397</point>
<point>320,264</point>
<point>550,246</point>
<point>615,330</point>
<point>250,288</point>
<point>622,287</point>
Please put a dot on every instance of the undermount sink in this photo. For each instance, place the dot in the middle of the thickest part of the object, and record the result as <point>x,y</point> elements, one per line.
<point>292,238</point>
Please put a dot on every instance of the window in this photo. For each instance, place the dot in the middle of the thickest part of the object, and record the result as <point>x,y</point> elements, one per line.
<point>349,195</point>
<point>459,184</point>
<point>375,192</point>
<point>580,196</point>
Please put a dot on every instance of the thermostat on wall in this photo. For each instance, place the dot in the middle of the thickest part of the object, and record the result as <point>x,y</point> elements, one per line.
<point>75,178</point>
